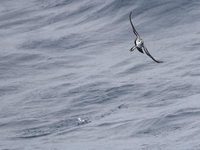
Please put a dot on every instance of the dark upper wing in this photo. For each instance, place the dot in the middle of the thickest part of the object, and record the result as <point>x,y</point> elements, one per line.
<point>147,52</point>
<point>134,30</point>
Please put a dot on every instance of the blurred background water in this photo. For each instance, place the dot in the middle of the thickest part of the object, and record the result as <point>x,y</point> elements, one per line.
<point>69,82</point>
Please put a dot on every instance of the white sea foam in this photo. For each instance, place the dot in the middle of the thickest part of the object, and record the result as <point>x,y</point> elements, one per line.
<point>68,80</point>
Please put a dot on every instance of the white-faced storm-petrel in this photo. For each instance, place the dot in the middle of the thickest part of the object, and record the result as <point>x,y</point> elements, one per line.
<point>139,43</point>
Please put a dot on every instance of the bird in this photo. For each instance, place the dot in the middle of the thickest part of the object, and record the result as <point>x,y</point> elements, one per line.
<point>139,43</point>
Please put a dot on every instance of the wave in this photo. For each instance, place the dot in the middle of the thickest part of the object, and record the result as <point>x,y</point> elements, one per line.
<point>66,74</point>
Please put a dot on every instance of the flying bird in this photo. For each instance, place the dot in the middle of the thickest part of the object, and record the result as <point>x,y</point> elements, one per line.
<point>139,43</point>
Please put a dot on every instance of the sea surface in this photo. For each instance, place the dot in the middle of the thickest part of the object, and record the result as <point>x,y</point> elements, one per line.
<point>69,82</point>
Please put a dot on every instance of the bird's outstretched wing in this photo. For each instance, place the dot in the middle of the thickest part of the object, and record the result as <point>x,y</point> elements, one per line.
<point>134,30</point>
<point>147,52</point>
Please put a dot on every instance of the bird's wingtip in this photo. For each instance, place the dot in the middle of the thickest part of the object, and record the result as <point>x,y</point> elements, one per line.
<point>130,14</point>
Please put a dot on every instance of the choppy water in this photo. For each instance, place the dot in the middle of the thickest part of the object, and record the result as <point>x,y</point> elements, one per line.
<point>69,82</point>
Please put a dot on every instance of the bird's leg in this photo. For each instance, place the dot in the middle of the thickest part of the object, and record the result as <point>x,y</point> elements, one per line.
<point>133,48</point>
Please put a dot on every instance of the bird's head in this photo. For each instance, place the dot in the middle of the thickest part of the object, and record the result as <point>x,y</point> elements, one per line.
<point>139,42</point>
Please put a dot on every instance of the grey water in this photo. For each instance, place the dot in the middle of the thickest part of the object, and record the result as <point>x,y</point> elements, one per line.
<point>69,82</point>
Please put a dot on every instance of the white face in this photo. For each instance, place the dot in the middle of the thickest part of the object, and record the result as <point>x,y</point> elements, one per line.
<point>139,42</point>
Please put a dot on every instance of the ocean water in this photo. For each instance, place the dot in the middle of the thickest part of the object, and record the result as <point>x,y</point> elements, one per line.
<point>69,82</point>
